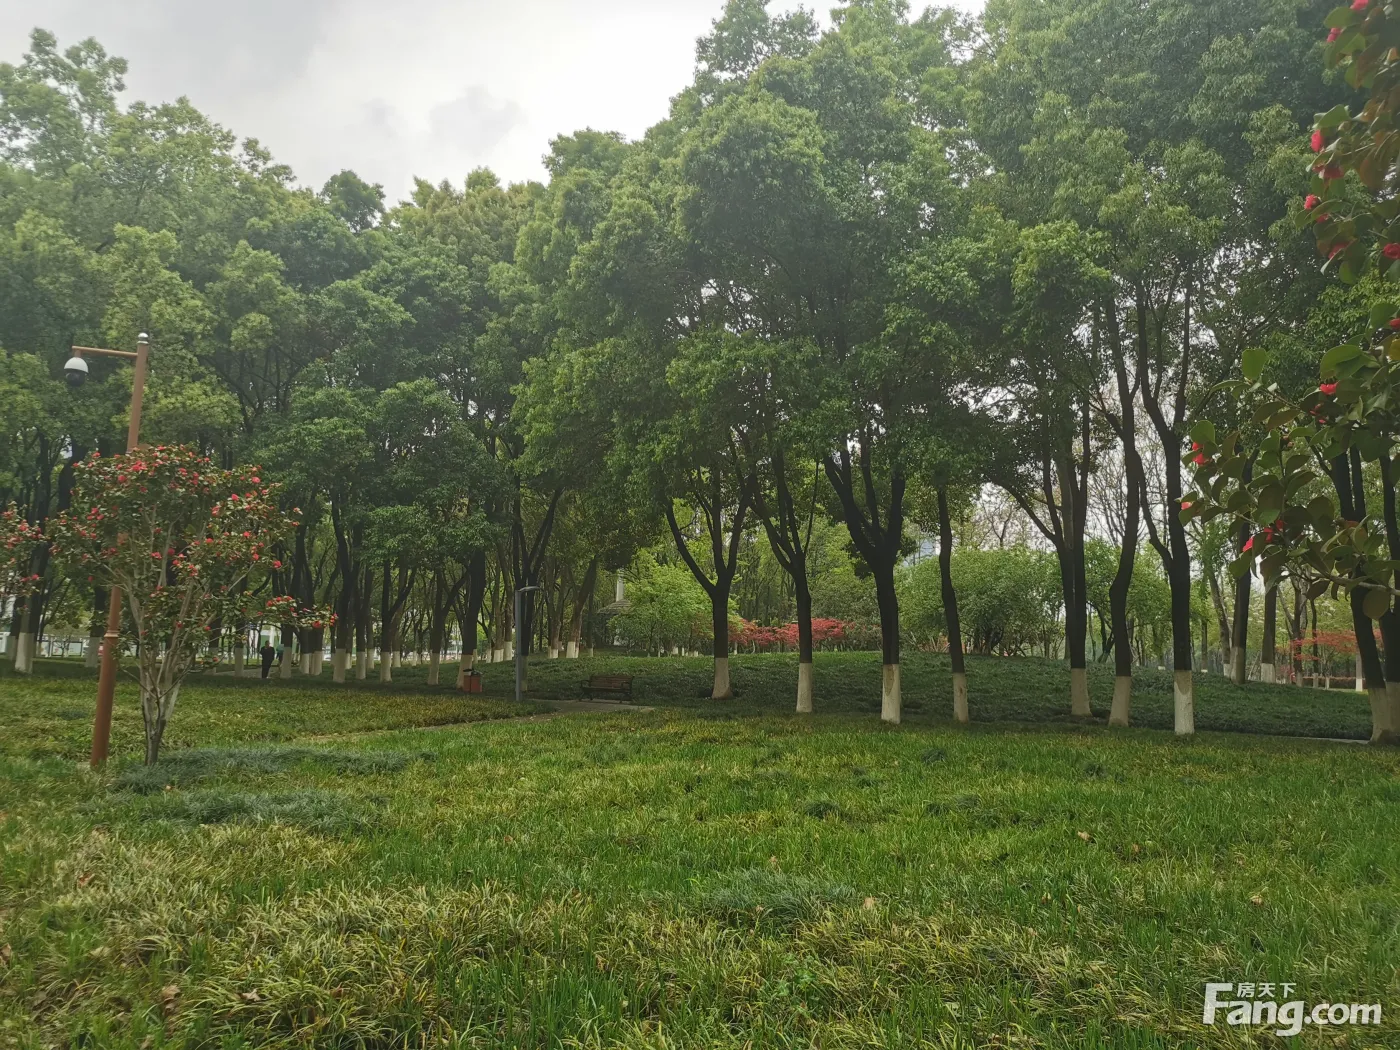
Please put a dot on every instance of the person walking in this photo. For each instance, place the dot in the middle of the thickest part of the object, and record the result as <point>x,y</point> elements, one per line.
<point>268,654</point>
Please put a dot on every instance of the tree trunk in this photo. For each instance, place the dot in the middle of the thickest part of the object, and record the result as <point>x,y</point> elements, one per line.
<point>97,626</point>
<point>288,652</point>
<point>950,609</point>
<point>887,600</point>
<point>1239,629</point>
<point>719,620</point>
<point>1217,598</point>
<point>878,543</point>
<point>1268,654</point>
<point>156,715</point>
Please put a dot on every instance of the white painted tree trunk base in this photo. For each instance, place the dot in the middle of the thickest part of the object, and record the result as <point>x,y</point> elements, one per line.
<point>571,650</point>
<point>891,703</point>
<point>554,652</point>
<point>960,713</point>
<point>804,688</point>
<point>93,655</point>
<point>361,665</point>
<point>396,659</point>
<point>1385,714</point>
<point>1184,703</point>
<point>1360,675</point>
<point>1121,711</point>
<point>340,660</point>
<point>1268,673</point>
<point>24,653</point>
<point>434,668</point>
<point>722,689</point>
<point>508,653</point>
<point>318,662</point>
<point>1079,693</point>
<point>240,657</point>
<point>386,666</point>
<point>284,670</point>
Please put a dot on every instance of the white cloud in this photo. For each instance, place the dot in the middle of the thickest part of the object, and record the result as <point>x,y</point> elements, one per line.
<point>431,88</point>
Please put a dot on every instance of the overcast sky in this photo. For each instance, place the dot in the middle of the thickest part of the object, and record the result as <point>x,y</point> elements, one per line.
<point>417,87</point>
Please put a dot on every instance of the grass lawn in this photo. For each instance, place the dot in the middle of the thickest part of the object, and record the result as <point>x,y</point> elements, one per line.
<point>50,713</point>
<point>694,876</point>
<point>1000,690</point>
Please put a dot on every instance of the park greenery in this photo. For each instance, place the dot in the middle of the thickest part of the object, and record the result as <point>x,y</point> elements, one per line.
<point>875,288</point>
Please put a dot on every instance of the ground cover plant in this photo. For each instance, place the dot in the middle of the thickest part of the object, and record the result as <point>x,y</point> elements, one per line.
<point>1020,689</point>
<point>672,878</point>
<point>49,713</point>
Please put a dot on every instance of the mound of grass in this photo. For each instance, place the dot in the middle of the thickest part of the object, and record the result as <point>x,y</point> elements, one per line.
<point>1011,689</point>
<point>761,895</point>
<point>311,809</point>
<point>50,716</point>
<point>182,768</point>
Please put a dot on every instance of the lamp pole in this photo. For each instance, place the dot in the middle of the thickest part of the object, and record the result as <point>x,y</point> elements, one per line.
<point>519,648</point>
<point>76,370</point>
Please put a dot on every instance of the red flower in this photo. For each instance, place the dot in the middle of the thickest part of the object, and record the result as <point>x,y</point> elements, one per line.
<point>1395,322</point>
<point>1337,249</point>
<point>1332,171</point>
<point>1332,36</point>
<point>276,564</point>
<point>1327,388</point>
<point>1391,250</point>
<point>1195,446</point>
<point>1186,504</point>
<point>1359,5</point>
<point>1248,546</point>
<point>1318,140</point>
<point>1200,459</point>
<point>1311,201</point>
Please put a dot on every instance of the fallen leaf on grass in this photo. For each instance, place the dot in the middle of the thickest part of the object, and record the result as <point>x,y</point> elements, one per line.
<point>1085,836</point>
<point>1256,900</point>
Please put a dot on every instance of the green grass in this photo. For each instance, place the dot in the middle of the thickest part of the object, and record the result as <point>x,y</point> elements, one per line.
<point>695,876</point>
<point>51,712</point>
<point>1000,690</point>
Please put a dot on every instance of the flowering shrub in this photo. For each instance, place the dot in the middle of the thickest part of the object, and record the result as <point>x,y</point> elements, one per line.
<point>17,542</point>
<point>758,638</point>
<point>180,537</point>
<point>1353,417</point>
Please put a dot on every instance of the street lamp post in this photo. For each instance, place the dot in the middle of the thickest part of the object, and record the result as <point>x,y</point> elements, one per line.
<point>519,648</point>
<point>76,371</point>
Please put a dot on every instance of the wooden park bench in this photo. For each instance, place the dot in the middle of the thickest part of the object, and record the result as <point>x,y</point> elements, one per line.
<point>611,685</point>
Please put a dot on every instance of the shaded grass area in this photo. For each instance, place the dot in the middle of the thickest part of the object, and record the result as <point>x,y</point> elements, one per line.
<point>666,879</point>
<point>1016,689</point>
<point>50,713</point>
<point>1013,689</point>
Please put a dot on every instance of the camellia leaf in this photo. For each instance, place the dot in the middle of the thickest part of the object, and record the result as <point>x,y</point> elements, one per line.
<point>1376,603</point>
<point>1336,356</point>
<point>1203,432</point>
<point>1252,363</point>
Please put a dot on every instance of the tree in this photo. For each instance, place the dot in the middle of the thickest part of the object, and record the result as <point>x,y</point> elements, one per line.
<point>180,537</point>
<point>18,539</point>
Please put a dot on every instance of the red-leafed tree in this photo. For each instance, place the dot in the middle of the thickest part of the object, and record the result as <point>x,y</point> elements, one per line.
<point>181,538</point>
<point>18,539</point>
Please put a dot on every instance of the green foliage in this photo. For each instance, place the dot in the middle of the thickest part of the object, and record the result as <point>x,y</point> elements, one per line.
<point>1008,599</point>
<point>665,607</point>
